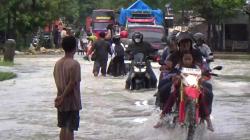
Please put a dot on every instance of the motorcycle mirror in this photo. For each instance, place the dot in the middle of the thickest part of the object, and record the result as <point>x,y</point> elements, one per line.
<point>218,68</point>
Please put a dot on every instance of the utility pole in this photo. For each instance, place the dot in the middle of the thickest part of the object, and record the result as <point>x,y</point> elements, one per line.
<point>182,12</point>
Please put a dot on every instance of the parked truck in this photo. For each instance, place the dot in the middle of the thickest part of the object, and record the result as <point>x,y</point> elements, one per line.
<point>140,13</point>
<point>101,18</point>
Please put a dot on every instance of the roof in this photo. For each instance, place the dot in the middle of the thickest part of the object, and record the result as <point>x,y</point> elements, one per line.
<point>139,5</point>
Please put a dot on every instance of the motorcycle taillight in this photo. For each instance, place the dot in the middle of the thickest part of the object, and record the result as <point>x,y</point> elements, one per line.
<point>158,58</point>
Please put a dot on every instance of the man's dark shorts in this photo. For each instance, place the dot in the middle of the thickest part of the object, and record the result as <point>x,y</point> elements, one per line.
<point>68,119</point>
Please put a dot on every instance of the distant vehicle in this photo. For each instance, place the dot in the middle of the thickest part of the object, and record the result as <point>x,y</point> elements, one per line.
<point>101,18</point>
<point>140,21</point>
<point>141,12</point>
<point>154,34</point>
<point>35,41</point>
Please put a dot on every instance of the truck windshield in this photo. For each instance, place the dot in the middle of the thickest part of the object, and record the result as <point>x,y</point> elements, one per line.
<point>140,23</point>
<point>100,25</point>
<point>150,35</point>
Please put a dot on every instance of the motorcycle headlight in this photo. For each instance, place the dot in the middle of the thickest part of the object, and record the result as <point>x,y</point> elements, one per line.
<point>136,69</point>
<point>143,70</point>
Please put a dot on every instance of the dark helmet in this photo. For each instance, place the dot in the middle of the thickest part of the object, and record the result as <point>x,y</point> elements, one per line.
<point>172,36</point>
<point>199,37</point>
<point>137,37</point>
<point>116,38</point>
<point>89,34</point>
<point>181,36</point>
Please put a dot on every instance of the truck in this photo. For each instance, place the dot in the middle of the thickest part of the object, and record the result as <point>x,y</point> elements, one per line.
<point>140,13</point>
<point>101,18</point>
<point>141,18</point>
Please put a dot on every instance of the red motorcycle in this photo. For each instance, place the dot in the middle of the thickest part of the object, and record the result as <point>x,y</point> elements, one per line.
<point>186,110</point>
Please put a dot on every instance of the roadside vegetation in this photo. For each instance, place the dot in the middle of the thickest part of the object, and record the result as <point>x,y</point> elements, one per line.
<point>7,75</point>
<point>4,63</point>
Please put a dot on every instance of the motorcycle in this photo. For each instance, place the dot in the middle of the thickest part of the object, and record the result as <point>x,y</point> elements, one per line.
<point>46,40</point>
<point>186,110</point>
<point>140,78</point>
<point>35,41</point>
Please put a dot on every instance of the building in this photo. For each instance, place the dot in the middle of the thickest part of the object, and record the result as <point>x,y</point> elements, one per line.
<point>235,35</point>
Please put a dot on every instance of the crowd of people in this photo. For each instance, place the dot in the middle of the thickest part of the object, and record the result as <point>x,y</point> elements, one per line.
<point>180,52</point>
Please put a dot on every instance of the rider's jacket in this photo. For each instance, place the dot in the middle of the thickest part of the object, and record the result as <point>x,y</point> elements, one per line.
<point>205,51</point>
<point>143,47</point>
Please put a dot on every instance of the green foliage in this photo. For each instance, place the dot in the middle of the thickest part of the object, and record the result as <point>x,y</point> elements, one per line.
<point>7,75</point>
<point>69,9</point>
<point>25,16</point>
<point>85,8</point>
<point>4,63</point>
<point>215,10</point>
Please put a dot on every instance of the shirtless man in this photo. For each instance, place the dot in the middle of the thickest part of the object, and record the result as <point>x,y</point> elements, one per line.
<point>67,75</point>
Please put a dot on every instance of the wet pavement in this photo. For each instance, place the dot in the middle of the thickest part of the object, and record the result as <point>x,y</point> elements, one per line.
<point>109,111</point>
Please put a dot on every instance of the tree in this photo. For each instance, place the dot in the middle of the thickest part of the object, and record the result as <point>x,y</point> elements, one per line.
<point>215,11</point>
<point>69,9</point>
<point>24,17</point>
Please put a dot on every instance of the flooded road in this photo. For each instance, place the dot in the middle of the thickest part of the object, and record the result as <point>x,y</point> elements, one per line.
<point>109,111</point>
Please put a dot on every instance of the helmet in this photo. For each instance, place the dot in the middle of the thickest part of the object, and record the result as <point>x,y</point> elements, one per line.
<point>124,34</point>
<point>137,37</point>
<point>199,37</point>
<point>116,38</point>
<point>181,36</point>
<point>89,34</point>
<point>172,36</point>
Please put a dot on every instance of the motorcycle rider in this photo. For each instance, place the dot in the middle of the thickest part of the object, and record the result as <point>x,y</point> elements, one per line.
<point>208,56</point>
<point>165,83</point>
<point>204,49</point>
<point>184,40</point>
<point>187,60</point>
<point>172,46</point>
<point>140,46</point>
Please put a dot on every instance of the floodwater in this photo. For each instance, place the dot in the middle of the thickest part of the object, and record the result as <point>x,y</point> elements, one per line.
<point>109,111</point>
